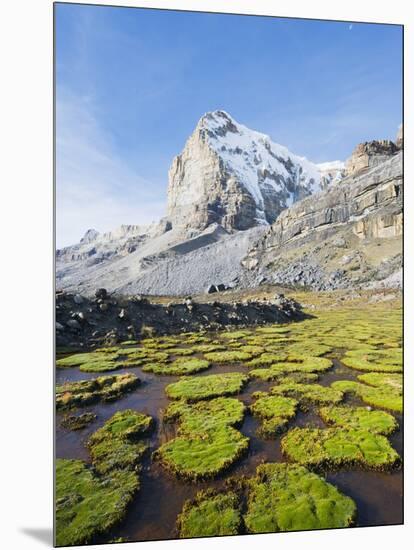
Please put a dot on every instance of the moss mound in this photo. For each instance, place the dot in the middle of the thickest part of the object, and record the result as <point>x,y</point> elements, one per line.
<point>306,348</point>
<point>311,393</point>
<point>87,505</point>
<point>115,445</point>
<point>72,422</point>
<point>205,415</point>
<point>299,378</point>
<point>379,379</point>
<point>234,335</point>
<point>207,443</point>
<point>275,412</point>
<point>267,358</point>
<point>203,455</point>
<point>375,360</point>
<point>207,348</point>
<point>210,515</point>
<point>359,418</point>
<point>104,359</point>
<point>184,352</point>
<point>384,397</point>
<point>287,497</point>
<point>309,365</point>
<point>336,447</point>
<point>85,392</point>
<point>228,356</point>
<point>102,366</point>
<point>205,387</point>
<point>180,366</point>
<point>78,359</point>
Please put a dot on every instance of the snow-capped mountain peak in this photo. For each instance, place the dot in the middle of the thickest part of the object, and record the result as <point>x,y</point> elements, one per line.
<point>236,176</point>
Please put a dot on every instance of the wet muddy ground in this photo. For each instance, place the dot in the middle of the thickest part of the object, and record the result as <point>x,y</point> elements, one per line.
<point>153,513</point>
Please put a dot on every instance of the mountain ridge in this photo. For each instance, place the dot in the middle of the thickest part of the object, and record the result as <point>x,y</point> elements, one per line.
<point>212,235</point>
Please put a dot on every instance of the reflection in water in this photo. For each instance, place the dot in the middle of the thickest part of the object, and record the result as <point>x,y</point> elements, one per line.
<point>153,513</point>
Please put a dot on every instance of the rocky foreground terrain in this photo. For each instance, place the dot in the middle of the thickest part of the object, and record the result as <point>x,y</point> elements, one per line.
<point>108,320</point>
<point>243,211</point>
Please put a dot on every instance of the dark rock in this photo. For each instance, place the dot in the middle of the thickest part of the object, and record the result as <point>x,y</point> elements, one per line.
<point>78,299</point>
<point>211,289</point>
<point>73,324</point>
<point>79,316</point>
<point>101,293</point>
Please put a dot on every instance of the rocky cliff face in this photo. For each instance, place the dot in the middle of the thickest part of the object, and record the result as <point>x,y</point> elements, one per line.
<point>369,154</point>
<point>237,177</point>
<point>243,211</point>
<point>349,234</point>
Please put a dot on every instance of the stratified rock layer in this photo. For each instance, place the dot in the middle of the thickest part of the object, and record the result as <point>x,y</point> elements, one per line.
<point>350,229</point>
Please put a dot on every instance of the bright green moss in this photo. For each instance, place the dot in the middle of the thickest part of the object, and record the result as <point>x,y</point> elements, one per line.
<point>228,356</point>
<point>205,415</point>
<point>252,350</point>
<point>336,447</point>
<point>307,366</point>
<point>207,348</point>
<point>210,515</point>
<point>184,352</point>
<point>275,412</point>
<point>86,358</point>
<point>299,378</point>
<point>86,505</point>
<point>367,359</point>
<point>234,335</point>
<point>116,445</point>
<point>267,358</point>
<point>359,418</point>
<point>180,366</point>
<point>101,366</point>
<point>307,348</point>
<point>205,387</point>
<point>158,356</point>
<point>114,454</point>
<point>124,424</point>
<point>85,392</point>
<point>207,443</point>
<point>202,455</point>
<point>380,379</point>
<point>287,497</point>
<point>384,397</point>
<point>311,393</point>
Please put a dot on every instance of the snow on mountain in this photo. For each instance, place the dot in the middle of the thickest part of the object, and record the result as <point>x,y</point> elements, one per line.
<point>230,174</point>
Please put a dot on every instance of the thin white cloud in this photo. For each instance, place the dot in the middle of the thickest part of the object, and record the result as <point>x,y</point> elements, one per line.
<point>94,187</point>
<point>350,27</point>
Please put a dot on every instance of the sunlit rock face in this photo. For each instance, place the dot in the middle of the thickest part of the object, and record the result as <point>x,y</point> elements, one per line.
<point>237,177</point>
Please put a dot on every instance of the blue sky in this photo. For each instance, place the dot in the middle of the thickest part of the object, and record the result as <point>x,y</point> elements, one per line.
<point>132,84</point>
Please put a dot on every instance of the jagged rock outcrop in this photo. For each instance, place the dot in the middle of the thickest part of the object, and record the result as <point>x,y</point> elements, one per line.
<point>236,177</point>
<point>96,248</point>
<point>340,236</point>
<point>369,154</point>
<point>399,141</point>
